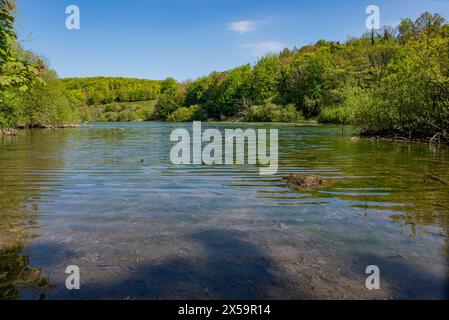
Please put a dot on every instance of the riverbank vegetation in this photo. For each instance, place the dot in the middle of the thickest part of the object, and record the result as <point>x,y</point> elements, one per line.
<point>30,93</point>
<point>138,111</point>
<point>393,81</point>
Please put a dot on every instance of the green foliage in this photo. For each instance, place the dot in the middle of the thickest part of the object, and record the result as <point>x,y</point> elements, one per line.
<point>270,112</point>
<point>43,105</point>
<point>11,109</point>
<point>413,98</point>
<point>15,70</point>
<point>340,114</point>
<point>166,105</point>
<point>345,112</point>
<point>266,79</point>
<point>391,80</point>
<point>30,95</point>
<point>48,105</point>
<point>121,112</point>
<point>169,87</point>
<point>197,91</point>
<point>232,91</point>
<point>171,98</point>
<point>184,114</point>
<point>394,80</point>
<point>104,90</point>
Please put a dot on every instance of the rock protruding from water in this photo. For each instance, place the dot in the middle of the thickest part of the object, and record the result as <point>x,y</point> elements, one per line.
<point>303,181</point>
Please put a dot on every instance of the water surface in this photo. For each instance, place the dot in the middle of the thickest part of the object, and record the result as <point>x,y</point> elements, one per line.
<point>154,230</point>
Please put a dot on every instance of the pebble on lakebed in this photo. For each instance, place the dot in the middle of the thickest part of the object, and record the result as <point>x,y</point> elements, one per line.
<point>303,181</point>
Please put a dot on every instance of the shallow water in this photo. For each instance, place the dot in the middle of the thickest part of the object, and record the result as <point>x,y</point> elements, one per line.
<point>154,230</point>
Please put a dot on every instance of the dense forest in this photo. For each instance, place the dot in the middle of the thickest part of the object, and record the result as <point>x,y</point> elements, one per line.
<point>392,81</point>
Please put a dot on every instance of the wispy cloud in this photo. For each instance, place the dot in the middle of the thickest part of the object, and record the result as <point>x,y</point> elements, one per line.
<point>243,26</point>
<point>264,47</point>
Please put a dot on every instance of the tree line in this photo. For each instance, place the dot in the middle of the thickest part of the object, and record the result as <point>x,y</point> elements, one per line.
<point>392,81</point>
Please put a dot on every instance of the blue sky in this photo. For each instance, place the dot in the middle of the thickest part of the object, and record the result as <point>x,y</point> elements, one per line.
<point>190,38</point>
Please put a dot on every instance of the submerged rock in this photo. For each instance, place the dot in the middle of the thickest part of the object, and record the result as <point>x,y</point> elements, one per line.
<point>303,181</point>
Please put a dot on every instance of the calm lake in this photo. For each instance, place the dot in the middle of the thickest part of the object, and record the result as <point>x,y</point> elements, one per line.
<point>154,230</point>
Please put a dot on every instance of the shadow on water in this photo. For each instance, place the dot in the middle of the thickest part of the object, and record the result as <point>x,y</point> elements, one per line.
<point>93,185</point>
<point>228,268</point>
<point>405,280</point>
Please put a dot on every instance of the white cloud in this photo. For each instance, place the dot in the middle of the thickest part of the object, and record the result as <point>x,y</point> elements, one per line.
<point>243,26</point>
<point>264,47</point>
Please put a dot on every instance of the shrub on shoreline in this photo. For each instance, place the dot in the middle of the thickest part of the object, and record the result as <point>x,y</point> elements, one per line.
<point>270,112</point>
<point>184,114</point>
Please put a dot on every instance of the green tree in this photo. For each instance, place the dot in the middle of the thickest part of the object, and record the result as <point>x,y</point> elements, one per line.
<point>15,71</point>
<point>413,99</point>
<point>267,75</point>
<point>235,88</point>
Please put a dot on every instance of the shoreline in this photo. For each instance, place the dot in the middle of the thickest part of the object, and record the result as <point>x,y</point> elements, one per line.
<point>15,131</point>
<point>435,140</point>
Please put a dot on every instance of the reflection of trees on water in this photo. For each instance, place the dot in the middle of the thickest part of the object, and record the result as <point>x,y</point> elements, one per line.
<point>15,274</point>
<point>411,175</point>
<point>27,162</point>
<point>31,163</point>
